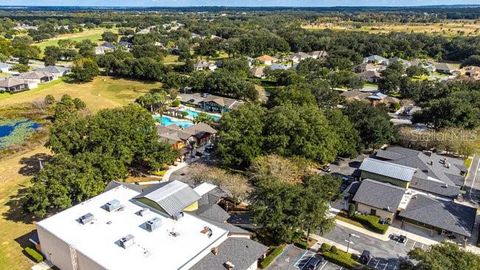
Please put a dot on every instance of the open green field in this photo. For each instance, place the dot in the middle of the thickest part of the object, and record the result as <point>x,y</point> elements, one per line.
<point>94,35</point>
<point>102,92</point>
<point>447,28</point>
<point>15,226</point>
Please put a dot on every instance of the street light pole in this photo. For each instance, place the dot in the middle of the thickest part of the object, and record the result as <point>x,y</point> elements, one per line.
<point>349,241</point>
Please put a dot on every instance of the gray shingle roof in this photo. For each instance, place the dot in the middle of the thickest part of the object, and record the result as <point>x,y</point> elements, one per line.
<point>388,169</point>
<point>241,252</point>
<point>429,168</point>
<point>446,215</point>
<point>11,82</point>
<point>172,197</point>
<point>435,187</point>
<point>53,69</point>
<point>379,195</point>
<point>213,212</point>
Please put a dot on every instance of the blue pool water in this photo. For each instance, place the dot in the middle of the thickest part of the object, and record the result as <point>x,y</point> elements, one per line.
<point>166,121</point>
<point>192,114</point>
<point>7,129</point>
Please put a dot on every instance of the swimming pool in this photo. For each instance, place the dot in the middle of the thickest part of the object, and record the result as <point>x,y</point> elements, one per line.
<point>167,120</point>
<point>192,114</point>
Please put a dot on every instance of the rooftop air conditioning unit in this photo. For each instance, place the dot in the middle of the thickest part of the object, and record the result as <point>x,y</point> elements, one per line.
<point>87,218</point>
<point>127,241</point>
<point>112,205</point>
<point>153,224</point>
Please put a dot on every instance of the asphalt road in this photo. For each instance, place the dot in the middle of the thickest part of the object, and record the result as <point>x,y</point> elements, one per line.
<point>380,249</point>
<point>472,182</point>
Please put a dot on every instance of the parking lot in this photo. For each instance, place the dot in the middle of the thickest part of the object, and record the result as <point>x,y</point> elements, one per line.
<point>384,264</point>
<point>307,256</point>
<point>294,258</point>
<point>386,255</point>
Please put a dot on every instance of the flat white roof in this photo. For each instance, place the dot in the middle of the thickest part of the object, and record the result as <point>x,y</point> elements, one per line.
<point>204,188</point>
<point>152,250</point>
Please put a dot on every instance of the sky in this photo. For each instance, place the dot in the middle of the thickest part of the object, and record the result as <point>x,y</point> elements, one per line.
<point>178,3</point>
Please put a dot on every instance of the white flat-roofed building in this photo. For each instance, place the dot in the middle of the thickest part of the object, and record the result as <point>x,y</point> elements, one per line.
<point>172,244</point>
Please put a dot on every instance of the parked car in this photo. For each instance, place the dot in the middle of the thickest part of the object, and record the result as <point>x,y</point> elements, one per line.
<point>314,263</point>
<point>365,257</point>
<point>399,238</point>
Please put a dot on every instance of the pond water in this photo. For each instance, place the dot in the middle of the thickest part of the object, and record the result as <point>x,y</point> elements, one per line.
<point>15,131</point>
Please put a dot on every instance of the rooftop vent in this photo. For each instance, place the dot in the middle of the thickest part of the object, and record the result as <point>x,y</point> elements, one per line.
<point>127,241</point>
<point>87,218</point>
<point>207,230</point>
<point>112,205</point>
<point>229,265</point>
<point>153,224</point>
<point>143,212</point>
<point>178,215</point>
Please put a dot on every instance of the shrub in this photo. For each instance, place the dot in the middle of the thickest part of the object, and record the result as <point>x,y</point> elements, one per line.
<point>175,103</point>
<point>325,247</point>
<point>351,210</point>
<point>301,243</point>
<point>371,223</point>
<point>334,249</point>
<point>272,255</point>
<point>34,254</point>
<point>341,258</point>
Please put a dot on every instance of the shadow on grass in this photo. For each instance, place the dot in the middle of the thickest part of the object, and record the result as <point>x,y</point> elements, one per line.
<point>16,211</point>
<point>31,165</point>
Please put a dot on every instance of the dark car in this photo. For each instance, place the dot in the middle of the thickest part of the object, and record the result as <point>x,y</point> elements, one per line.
<point>399,238</point>
<point>314,263</point>
<point>365,257</point>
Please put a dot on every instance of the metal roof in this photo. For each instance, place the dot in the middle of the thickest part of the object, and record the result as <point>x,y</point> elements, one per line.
<point>379,195</point>
<point>172,197</point>
<point>446,215</point>
<point>388,169</point>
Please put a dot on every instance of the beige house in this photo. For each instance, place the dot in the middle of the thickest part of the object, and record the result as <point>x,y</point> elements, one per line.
<point>266,59</point>
<point>378,199</point>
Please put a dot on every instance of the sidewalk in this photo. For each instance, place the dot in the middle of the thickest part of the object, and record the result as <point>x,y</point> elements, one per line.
<point>321,240</point>
<point>173,169</point>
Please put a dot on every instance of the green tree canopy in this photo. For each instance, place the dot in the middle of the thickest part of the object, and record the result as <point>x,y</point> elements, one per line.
<point>240,135</point>
<point>372,123</point>
<point>444,256</point>
<point>300,131</point>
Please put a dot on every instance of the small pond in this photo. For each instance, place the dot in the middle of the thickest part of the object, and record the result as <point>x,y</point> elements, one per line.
<point>15,131</point>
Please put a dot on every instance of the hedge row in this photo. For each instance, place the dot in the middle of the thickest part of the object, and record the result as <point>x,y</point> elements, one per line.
<point>339,257</point>
<point>371,223</point>
<point>272,255</point>
<point>36,256</point>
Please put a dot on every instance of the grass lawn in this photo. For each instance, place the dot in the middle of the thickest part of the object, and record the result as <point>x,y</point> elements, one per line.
<point>14,225</point>
<point>94,35</point>
<point>171,59</point>
<point>101,93</point>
